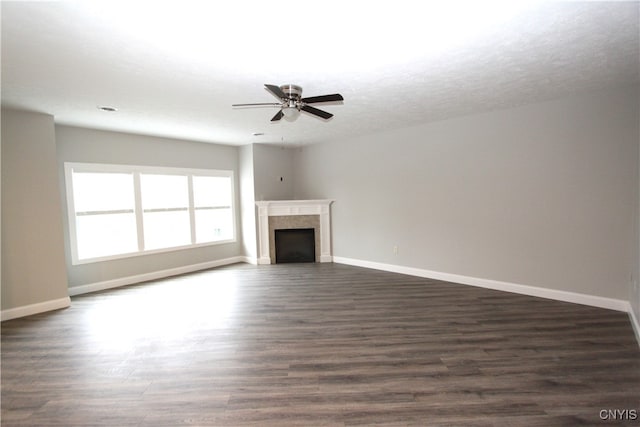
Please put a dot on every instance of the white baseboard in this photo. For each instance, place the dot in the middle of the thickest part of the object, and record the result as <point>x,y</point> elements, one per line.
<point>591,300</point>
<point>250,260</point>
<point>154,275</point>
<point>41,307</point>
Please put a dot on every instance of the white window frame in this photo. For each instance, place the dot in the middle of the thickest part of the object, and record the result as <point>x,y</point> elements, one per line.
<point>70,167</point>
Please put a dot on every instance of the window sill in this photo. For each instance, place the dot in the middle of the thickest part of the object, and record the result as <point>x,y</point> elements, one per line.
<point>150,252</point>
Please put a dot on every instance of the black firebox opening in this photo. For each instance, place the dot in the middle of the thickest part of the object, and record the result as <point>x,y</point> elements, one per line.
<point>295,245</point>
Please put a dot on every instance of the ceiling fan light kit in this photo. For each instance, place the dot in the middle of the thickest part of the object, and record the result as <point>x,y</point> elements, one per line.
<point>291,113</point>
<point>291,102</point>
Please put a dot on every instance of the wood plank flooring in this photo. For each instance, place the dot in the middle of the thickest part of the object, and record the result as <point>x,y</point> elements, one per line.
<point>316,344</point>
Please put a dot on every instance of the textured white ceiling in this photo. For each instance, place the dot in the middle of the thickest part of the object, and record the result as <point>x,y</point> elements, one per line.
<point>174,68</point>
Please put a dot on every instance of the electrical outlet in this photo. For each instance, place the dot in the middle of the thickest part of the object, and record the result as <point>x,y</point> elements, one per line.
<point>395,250</point>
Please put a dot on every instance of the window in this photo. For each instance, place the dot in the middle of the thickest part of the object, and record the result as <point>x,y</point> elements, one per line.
<point>118,211</point>
<point>165,210</point>
<point>212,204</point>
<point>105,213</point>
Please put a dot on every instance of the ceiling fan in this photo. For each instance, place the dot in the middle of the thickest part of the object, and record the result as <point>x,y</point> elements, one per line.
<point>291,102</point>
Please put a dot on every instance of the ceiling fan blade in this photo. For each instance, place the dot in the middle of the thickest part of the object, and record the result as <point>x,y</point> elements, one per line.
<point>259,104</point>
<point>278,116</point>
<point>316,112</point>
<point>276,91</point>
<point>323,98</point>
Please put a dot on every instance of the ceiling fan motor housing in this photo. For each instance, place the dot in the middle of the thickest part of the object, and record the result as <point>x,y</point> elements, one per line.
<point>292,91</point>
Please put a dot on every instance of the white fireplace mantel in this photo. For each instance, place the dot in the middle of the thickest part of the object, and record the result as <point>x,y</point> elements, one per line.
<point>269,208</point>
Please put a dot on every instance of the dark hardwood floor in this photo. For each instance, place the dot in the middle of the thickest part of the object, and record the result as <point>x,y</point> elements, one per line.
<point>317,344</point>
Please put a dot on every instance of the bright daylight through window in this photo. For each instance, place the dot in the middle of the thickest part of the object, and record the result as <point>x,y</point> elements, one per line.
<point>117,211</point>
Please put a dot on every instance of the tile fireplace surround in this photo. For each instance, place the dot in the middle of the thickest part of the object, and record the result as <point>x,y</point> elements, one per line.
<point>289,214</point>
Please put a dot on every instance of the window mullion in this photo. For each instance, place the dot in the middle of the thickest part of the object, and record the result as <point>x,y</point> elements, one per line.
<point>192,211</point>
<point>139,215</point>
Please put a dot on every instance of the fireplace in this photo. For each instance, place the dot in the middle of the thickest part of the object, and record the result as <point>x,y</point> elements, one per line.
<point>295,245</point>
<point>290,215</point>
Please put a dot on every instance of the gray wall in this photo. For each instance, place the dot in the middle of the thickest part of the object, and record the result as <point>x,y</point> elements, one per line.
<point>93,146</point>
<point>266,173</point>
<point>540,195</point>
<point>247,202</point>
<point>271,163</point>
<point>33,260</point>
